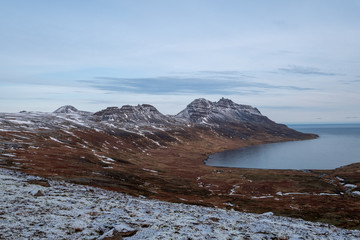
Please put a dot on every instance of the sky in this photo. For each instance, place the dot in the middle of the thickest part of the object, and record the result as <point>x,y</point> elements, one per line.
<point>296,61</point>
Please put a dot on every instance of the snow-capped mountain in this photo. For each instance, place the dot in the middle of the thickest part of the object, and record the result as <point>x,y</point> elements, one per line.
<point>66,109</point>
<point>223,111</point>
<point>140,114</point>
<point>199,112</point>
<point>224,118</point>
<point>147,125</point>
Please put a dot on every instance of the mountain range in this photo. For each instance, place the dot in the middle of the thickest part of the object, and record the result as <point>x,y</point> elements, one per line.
<point>200,111</point>
<point>107,139</point>
<point>223,116</point>
<point>140,151</point>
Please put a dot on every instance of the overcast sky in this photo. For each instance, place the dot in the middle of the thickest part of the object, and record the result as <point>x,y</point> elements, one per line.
<point>296,61</point>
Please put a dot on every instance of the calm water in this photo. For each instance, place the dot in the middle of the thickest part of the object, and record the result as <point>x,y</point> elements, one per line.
<point>338,145</point>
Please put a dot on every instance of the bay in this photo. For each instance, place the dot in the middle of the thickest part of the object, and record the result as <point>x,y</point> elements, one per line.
<point>337,145</point>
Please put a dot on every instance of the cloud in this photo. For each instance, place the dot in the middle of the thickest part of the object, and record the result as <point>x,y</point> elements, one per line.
<point>206,82</point>
<point>99,101</point>
<point>228,75</point>
<point>306,71</point>
<point>287,107</point>
<point>352,117</point>
<point>350,82</point>
<point>225,74</point>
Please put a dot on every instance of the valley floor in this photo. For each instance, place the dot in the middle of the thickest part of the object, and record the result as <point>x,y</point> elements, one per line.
<point>36,208</point>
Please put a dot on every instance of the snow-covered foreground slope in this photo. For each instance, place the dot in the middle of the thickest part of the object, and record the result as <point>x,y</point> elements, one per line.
<point>66,211</point>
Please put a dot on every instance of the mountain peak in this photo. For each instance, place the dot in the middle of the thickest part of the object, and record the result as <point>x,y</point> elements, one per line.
<point>143,114</point>
<point>66,109</point>
<point>224,110</point>
<point>225,102</point>
<point>140,108</point>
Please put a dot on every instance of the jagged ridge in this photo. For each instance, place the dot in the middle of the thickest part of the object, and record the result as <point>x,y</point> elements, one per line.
<point>141,114</point>
<point>200,111</point>
<point>224,116</point>
<point>225,110</point>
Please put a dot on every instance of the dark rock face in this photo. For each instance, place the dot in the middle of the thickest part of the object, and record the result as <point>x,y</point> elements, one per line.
<point>110,113</point>
<point>66,109</point>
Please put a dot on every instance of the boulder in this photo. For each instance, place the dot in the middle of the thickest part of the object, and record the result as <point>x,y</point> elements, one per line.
<point>119,231</point>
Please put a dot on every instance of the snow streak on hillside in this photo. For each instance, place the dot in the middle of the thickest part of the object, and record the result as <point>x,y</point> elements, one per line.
<point>34,208</point>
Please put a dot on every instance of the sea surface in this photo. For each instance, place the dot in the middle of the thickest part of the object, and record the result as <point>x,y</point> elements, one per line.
<point>338,145</point>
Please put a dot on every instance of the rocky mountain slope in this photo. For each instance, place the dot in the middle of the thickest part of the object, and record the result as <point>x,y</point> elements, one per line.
<point>36,208</point>
<point>66,109</point>
<point>144,114</point>
<point>232,119</point>
<point>140,151</point>
<point>224,111</point>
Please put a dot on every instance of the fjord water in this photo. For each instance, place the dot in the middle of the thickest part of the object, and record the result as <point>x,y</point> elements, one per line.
<point>337,145</point>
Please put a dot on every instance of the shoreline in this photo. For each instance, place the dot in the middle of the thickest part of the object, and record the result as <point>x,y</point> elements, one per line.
<point>167,164</point>
<point>315,136</point>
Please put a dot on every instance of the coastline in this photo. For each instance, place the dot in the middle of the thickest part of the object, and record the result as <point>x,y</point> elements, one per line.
<point>175,172</point>
<point>312,136</point>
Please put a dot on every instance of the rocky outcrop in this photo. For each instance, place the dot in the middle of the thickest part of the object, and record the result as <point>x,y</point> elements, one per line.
<point>118,232</point>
